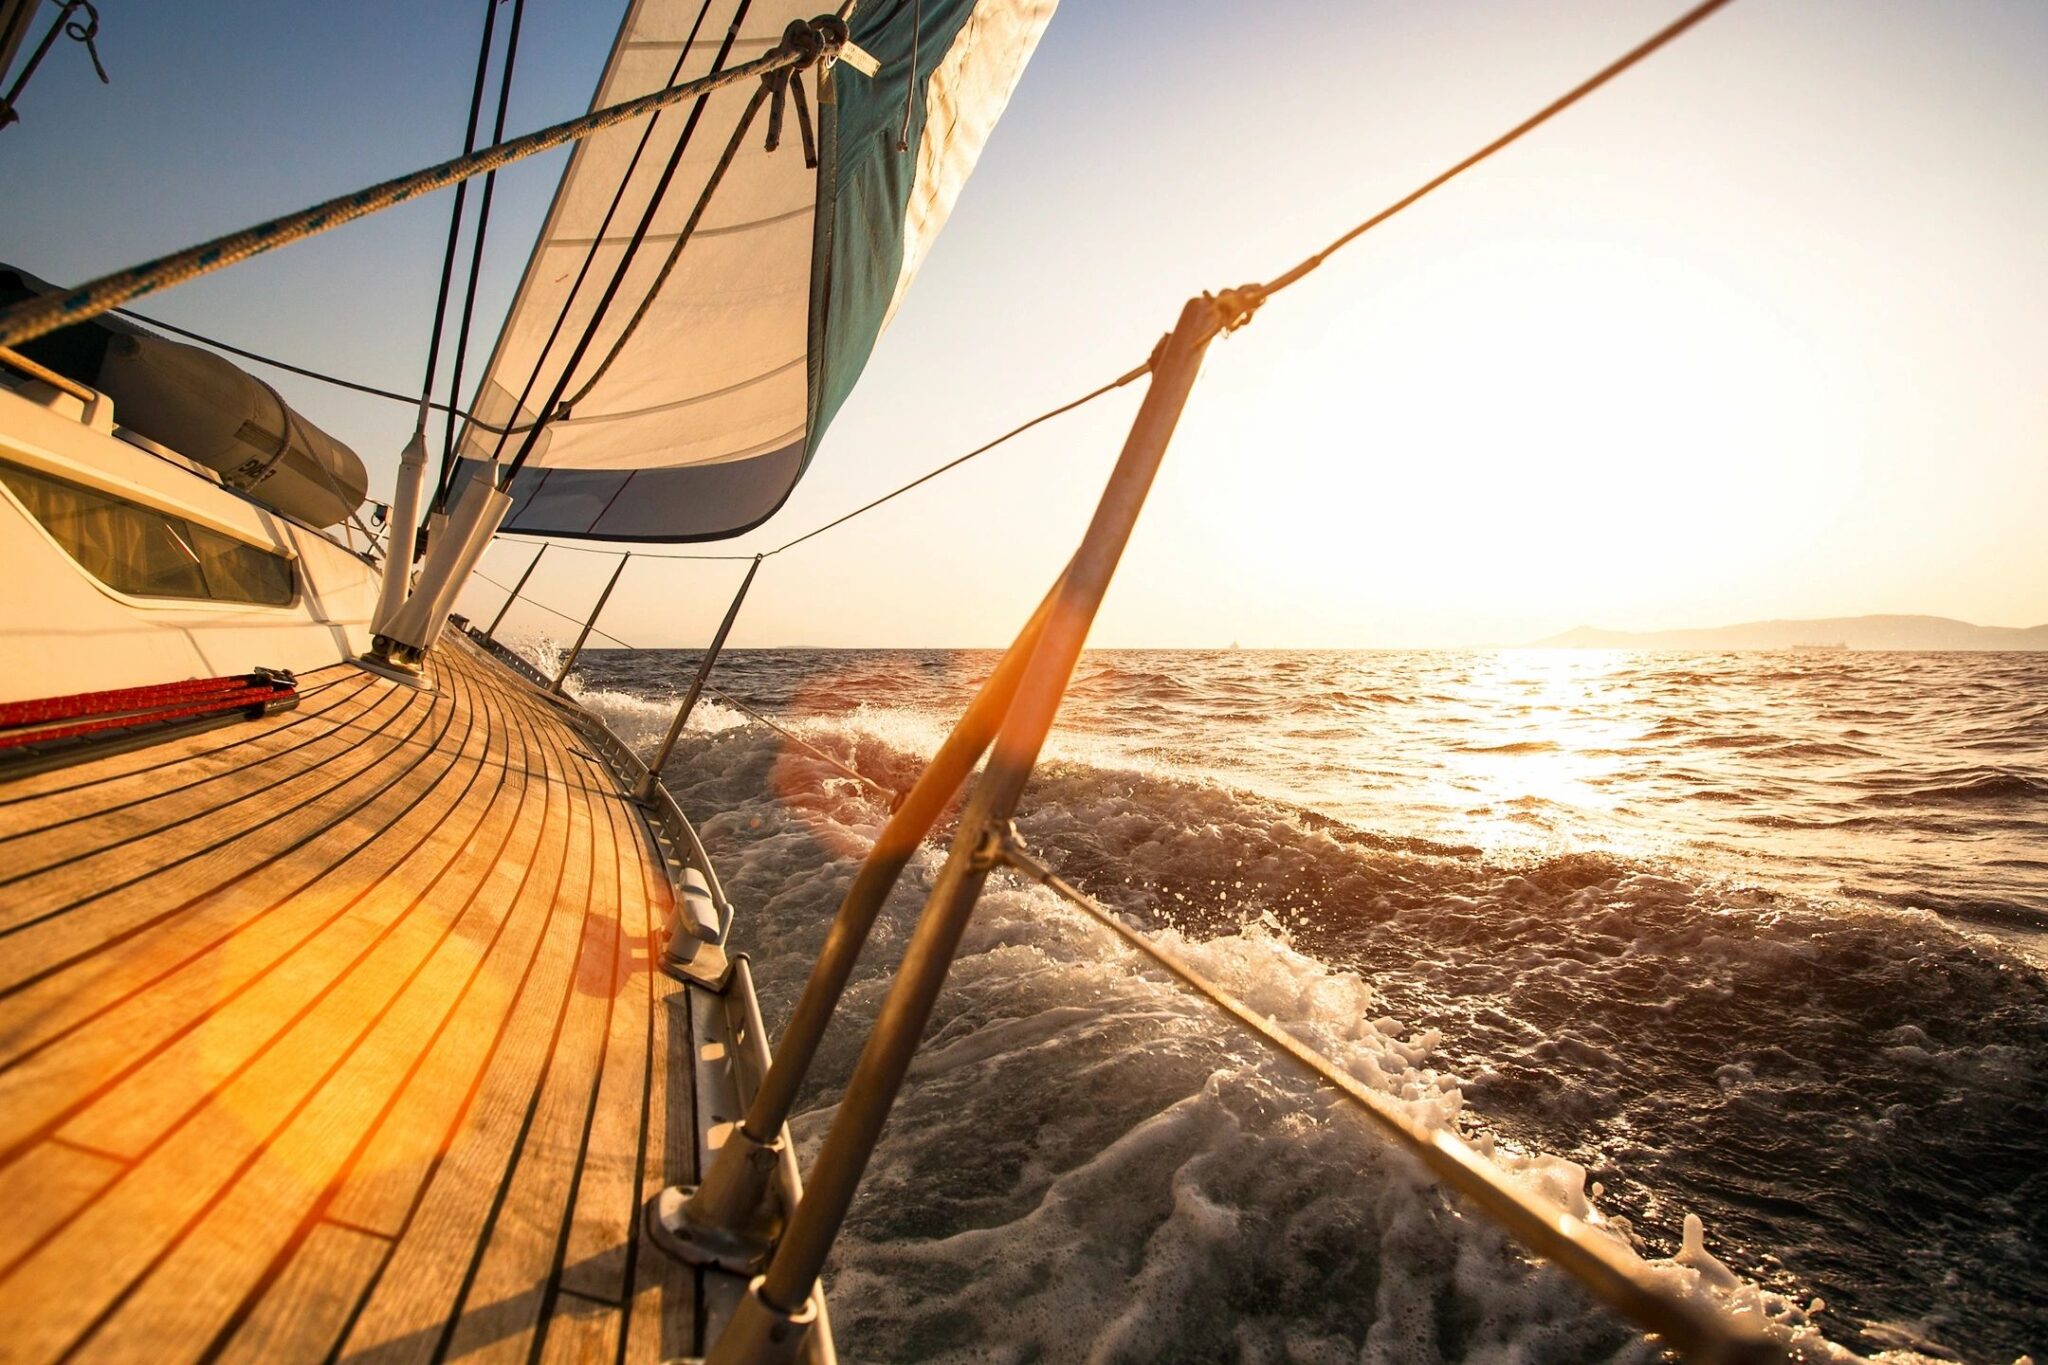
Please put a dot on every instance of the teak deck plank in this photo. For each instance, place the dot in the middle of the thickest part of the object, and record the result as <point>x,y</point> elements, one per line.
<point>311,1301</point>
<point>92,1023</point>
<point>238,767</point>
<point>338,1034</point>
<point>175,1079</point>
<point>178,1309</point>
<point>317,693</point>
<point>77,907</point>
<point>383,1187</point>
<point>428,1281</point>
<point>531,1224</point>
<point>190,823</point>
<point>51,1181</point>
<point>665,1303</point>
<point>52,962</point>
<point>607,1198</point>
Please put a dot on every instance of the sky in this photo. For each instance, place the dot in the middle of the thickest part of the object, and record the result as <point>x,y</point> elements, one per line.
<point>1756,331</point>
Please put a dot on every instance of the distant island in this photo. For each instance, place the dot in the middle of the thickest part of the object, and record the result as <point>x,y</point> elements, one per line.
<point>1834,632</point>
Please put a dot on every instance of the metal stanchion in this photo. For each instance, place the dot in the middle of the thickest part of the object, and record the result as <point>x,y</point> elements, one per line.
<point>517,588</point>
<point>768,1324</point>
<point>725,1221</point>
<point>577,648</point>
<point>675,730</point>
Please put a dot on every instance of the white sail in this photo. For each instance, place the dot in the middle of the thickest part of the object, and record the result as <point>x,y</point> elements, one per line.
<point>709,410</point>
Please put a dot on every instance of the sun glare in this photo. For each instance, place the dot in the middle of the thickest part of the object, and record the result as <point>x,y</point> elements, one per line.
<point>1547,729</point>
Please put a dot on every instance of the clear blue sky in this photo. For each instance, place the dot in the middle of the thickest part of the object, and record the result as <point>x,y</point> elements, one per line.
<point>1758,331</point>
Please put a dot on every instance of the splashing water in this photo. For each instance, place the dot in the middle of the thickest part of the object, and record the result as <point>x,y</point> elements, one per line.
<point>1748,938</point>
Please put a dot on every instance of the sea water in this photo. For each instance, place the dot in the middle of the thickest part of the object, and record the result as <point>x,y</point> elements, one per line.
<point>1740,955</point>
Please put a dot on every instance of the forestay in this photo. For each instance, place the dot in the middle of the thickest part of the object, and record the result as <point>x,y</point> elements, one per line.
<point>713,405</point>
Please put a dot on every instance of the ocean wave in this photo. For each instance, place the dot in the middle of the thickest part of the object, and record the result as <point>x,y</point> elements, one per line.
<point>1085,1161</point>
<point>1091,1156</point>
<point>1966,786</point>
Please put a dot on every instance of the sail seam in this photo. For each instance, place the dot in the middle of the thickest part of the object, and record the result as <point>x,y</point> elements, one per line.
<point>725,231</point>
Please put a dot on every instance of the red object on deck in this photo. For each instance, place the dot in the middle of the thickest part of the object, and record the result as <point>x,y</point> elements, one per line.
<point>47,719</point>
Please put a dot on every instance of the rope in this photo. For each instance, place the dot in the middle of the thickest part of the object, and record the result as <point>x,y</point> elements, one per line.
<point>1514,134</point>
<point>36,317</point>
<point>725,697</point>
<point>469,131</point>
<point>1595,1261</point>
<point>290,368</point>
<point>910,94</point>
<point>476,263</point>
<point>1013,432</point>
<point>786,85</point>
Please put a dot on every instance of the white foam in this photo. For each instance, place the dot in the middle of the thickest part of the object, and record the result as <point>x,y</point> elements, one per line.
<point>1087,1164</point>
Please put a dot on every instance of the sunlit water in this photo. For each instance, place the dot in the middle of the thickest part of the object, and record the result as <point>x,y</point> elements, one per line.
<point>1756,937</point>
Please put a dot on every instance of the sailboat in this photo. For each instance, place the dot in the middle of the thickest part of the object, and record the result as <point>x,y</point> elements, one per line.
<point>367,998</point>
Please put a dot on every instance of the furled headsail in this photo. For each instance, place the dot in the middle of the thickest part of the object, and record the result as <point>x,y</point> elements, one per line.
<point>705,412</point>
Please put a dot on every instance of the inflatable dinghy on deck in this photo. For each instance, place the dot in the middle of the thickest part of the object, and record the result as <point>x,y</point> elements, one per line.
<point>205,409</point>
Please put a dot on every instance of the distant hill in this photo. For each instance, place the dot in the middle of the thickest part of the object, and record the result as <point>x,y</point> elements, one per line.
<point>1834,632</point>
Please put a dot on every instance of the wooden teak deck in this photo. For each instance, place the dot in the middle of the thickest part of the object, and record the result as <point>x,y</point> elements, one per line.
<point>341,1034</point>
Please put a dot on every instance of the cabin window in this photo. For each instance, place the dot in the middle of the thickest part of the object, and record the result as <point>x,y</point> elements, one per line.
<point>145,552</point>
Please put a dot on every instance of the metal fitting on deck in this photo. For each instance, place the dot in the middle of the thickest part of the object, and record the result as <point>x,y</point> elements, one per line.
<point>762,1334</point>
<point>728,1221</point>
<point>389,653</point>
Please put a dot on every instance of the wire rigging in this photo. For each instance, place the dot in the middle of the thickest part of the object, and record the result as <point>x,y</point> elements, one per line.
<point>469,132</point>
<point>724,698</point>
<point>446,477</point>
<point>287,366</point>
<point>1019,430</point>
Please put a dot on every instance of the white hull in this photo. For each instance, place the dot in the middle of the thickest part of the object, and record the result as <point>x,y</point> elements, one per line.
<point>68,632</point>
